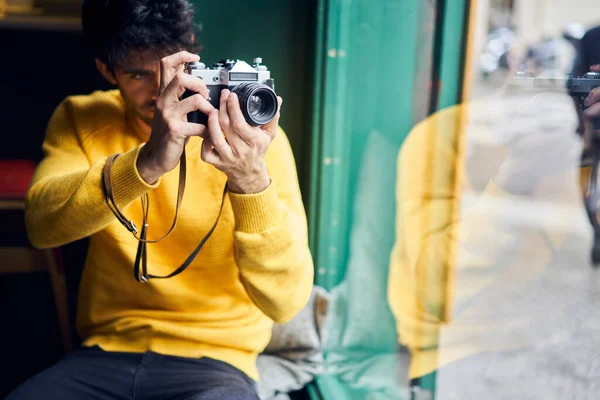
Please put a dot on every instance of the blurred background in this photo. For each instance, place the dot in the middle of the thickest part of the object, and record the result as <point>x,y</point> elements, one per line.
<point>357,76</point>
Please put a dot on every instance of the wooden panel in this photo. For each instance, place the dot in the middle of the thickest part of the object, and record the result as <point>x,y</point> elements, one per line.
<point>14,260</point>
<point>12,205</point>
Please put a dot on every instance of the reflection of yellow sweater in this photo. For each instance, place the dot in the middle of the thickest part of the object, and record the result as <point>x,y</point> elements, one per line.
<point>436,245</point>
<point>255,268</point>
<point>427,212</point>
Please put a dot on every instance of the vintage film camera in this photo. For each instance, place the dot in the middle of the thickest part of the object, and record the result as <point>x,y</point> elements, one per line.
<point>579,88</point>
<point>253,85</point>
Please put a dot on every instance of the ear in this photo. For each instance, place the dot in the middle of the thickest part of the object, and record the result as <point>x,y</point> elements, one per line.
<point>105,72</point>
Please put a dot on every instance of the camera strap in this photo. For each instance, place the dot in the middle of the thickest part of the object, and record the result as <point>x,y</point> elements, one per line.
<point>140,269</point>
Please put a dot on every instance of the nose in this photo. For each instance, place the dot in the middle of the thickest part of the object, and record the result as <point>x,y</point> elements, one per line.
<point>155,86</point>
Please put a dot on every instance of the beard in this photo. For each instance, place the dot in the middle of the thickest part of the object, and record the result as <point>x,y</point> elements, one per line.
<point>144,113</point>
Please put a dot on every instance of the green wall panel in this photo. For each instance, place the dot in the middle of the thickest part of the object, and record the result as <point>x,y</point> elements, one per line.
<point>368,82</point>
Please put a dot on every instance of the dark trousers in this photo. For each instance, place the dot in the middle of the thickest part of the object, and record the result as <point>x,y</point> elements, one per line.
<point>91,373</point>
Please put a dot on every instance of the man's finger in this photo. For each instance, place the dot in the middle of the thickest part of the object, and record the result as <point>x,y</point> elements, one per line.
<point>179,58</point>
<point>199,84</point>
<point>236,143</point>
<point>593,97</point>
<point>216,136</point>
<point>235,112</point>
<point>223,114</point>
<point>593,111</point>
<point>193,103</point>
<point>208,153</point>
<point>173,64</point>
<point>238,121</point>
<point>271,128</point>
<point>179,84</point>
<point>189,129</point>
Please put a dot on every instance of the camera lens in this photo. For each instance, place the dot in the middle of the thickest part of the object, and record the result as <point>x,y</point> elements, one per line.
<point>256,106</point>
<point>258,103</point>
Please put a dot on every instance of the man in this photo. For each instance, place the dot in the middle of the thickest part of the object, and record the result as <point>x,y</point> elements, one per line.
<point>490,282</point>
<point>196,335</point>
<point>588,53</point>
<point>587,58</point>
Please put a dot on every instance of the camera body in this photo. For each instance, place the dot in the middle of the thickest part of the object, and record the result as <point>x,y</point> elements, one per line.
<point>578,87</point>
<point>253,85</point>
<point>573,85</point>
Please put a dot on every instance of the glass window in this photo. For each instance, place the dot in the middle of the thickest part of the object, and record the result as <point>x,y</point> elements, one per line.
<point>459,231</point>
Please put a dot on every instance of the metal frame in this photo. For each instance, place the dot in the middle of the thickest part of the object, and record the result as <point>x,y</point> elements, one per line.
<point>452,49</point>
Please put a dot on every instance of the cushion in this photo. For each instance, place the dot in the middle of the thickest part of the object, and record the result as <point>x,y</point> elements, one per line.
<point>15,176</point>
<point>294,356</point>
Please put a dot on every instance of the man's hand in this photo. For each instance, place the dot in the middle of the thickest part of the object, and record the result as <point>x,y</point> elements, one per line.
<point>592,102</point>
<point>591,114</point>
<point>170,129</point>
<point>237,148</point>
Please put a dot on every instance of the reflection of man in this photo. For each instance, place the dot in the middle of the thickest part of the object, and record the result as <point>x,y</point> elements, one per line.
<point>588,52</point>
<point>196,335</point>
<point>490,281</point>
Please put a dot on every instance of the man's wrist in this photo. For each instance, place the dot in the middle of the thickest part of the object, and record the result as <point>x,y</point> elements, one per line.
<point>249,183</point>
<point>147,168</point>
<point>257,212</point>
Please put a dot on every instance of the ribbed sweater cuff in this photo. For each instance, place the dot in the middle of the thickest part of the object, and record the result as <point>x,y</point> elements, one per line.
<point>255,213</point>
<point>128,185</point>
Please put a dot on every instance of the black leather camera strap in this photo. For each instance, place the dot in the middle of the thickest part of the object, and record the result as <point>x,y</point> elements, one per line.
<point>140,269</point>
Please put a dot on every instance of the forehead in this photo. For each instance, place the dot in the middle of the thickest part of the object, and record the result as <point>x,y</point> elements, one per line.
<point>140,60</point>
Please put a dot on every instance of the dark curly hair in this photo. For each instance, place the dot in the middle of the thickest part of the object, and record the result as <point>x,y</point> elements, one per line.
<point>113,28</point>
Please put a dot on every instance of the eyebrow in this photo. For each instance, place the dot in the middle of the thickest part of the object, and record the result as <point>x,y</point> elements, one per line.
<point>136,71</point>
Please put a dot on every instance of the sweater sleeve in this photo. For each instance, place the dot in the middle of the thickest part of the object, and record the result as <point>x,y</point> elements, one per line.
<point>65,201</point>
<point>271,239</point>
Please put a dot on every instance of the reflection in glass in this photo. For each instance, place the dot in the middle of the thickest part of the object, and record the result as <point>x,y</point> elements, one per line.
<point>491,282</point>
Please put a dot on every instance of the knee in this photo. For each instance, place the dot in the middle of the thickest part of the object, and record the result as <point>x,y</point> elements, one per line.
<point>31,389</point>
<point>45,385</point>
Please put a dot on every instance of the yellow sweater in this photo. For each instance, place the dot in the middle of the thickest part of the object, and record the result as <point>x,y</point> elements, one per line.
<point>256,268</point>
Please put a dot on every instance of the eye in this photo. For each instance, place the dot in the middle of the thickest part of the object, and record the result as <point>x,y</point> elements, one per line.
<point>138,76</point>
